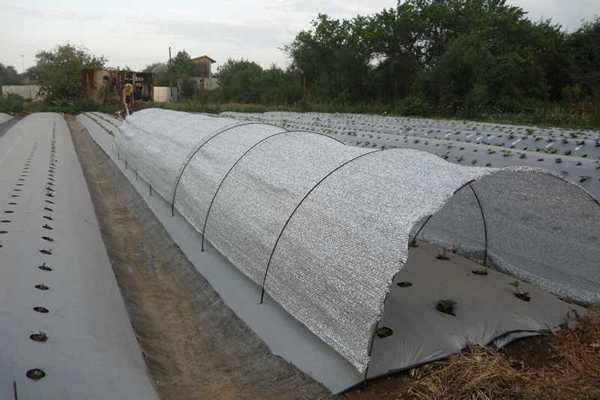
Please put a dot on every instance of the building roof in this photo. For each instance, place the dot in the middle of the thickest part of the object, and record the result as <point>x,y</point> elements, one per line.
<point>203,58</point>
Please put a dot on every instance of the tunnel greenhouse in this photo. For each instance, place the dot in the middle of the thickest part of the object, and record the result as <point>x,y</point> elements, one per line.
<point>325,230</point>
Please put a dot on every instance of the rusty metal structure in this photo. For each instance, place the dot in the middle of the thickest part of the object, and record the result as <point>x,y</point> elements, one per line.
<point>105,86</point>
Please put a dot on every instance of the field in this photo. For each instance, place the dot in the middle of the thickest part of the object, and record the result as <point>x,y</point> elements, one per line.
<point>194,341</point>
<point>573,154</point>
<point>527,369</point>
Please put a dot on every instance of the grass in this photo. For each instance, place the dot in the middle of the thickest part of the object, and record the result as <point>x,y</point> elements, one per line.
<point>571,370</point>
<point>555,116</point>
<point>16,105</point>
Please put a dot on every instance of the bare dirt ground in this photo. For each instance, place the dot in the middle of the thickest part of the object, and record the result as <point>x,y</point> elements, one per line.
<point>195,346</point>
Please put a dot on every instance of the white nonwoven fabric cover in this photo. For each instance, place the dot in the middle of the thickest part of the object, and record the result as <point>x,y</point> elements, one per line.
<point>348,214</point>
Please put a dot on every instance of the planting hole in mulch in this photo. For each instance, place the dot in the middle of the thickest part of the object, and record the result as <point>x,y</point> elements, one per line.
<point>38,337</point>
<point>523,296</point>
<point>384,332</point>
<point>35,374</point>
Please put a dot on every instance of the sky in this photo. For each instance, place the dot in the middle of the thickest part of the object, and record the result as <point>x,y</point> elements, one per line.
<point>136,33</point>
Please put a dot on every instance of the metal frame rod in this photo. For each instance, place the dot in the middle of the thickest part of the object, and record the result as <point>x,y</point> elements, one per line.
<point>414,240</point>
<point>371,344</point>
<point>198,147</point>
<point>225,177</point>
<point>262,289</point>
<point>223,130</point>
<point>584,190</point>
<point>234,165</point>
<point>483,219</point>
<point>485,230</point>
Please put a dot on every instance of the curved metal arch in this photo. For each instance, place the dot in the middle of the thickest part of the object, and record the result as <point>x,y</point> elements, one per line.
<point>191,155</point>
<point>485,230</point>
<point>413,242</point>
<point>262,290</point>
<point>483,219</point>
<point>584,190</point>
<point>234,165</point>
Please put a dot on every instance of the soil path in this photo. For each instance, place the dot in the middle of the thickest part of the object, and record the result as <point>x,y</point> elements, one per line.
<point>195,346</point>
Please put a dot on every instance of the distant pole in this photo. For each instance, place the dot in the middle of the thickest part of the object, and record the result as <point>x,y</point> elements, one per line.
<point>170,77</point>
<point>23,63</point>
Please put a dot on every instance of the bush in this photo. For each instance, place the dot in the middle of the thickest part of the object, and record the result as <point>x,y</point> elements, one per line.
<point>71,107</point>
<point>11,104</point>
<point>413,106</point>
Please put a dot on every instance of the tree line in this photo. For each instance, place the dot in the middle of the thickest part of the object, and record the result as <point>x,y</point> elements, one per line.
<point>432,57</point>
<point>463,58</point>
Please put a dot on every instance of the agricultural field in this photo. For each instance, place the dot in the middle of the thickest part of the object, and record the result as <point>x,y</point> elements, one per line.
<point>327,200</point>
<point>574,154</point>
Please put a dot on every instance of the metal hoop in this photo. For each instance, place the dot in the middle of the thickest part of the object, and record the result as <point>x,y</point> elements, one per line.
<point>262,290</point>
<point>197,149</point>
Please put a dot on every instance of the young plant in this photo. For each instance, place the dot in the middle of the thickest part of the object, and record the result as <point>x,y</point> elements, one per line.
<point>520,294</point>
<point>482,271</point>
<point>443,254</point>
<point>446,306</point>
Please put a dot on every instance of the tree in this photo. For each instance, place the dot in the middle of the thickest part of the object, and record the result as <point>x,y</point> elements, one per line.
<point>181,69</point>
<point>58,72</point>
<point>240,81</point>
<point>392,36</point>
<point>161,73</point>
<point>584,50</point>
<point>334,58</point>
<point>8,75</point>
<point>280,87</point>
<point>247,82</point>
<point>182,66</point>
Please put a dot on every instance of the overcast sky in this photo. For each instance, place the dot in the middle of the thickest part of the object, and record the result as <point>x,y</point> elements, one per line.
<point>136,33</point>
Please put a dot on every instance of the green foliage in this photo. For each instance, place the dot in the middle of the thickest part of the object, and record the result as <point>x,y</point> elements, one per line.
<point>11,104</point>
<point>584,52</point>
<point>240,81</point>
<point>182,66</point>
<point>59,71</point>
<point>247,82</point>
<point>334,58</point>
<point>180,71</point>
<point>476,58</point>
<point>446,306</point>
<point>71,107</point>
<point>481,59</point>
<point>8,75</point>
<point>161,73</point>
<point>188,88</point>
